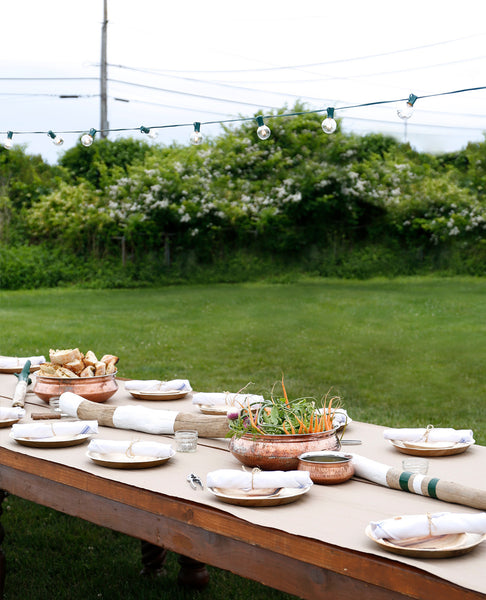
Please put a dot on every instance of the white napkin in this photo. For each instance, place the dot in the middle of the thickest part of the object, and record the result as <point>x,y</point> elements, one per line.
<point>445,434</point>
<point>7,413</point>
<point>340,417</point>
<point>37,431</point>
<point>137,417</point>
<point>131,449</point>
<point>154,385</point>
<point>12,362</point>
<point>244,480</point>
<point>410,526</point>
<point>227,398</point>
<point>145,419</point>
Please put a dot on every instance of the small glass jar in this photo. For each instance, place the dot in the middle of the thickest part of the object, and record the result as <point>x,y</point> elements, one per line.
<point>414,464</point>
<point>186,440</point>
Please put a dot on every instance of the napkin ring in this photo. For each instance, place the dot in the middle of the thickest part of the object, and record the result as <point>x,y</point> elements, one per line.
<point>253,473</point>
<point>427,431</point>
<point>129,451</point>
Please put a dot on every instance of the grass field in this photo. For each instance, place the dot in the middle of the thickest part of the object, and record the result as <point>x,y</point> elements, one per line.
<point>403,352</point>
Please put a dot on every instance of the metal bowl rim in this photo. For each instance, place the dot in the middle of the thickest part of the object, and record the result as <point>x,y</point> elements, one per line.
<point>92,378</point>
<point>345,458</point>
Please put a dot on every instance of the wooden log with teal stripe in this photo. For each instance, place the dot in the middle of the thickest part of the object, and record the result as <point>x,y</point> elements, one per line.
<point>416,483</point>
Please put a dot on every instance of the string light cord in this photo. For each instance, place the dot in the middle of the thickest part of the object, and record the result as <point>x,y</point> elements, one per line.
<point>410,100</point>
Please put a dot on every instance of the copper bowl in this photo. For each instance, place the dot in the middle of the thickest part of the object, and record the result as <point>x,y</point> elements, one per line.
<point>97,389</point>
<point>280,452</point>
<point>327,467</point>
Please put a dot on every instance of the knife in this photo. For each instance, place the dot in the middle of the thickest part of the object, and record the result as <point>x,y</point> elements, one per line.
<point>21,387</point>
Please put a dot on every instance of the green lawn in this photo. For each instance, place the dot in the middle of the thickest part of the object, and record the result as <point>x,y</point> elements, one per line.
<point>403,352</point>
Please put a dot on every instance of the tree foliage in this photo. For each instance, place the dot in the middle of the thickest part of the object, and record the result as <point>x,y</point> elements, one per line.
<point>298,190</point>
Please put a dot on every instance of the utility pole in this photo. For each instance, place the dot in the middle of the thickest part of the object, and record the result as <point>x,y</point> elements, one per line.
<point>103,75</point>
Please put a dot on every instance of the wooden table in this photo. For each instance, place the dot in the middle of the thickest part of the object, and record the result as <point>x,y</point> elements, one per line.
<point>194,526</point>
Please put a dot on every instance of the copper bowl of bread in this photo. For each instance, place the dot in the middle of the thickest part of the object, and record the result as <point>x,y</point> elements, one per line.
<point>82,374</point>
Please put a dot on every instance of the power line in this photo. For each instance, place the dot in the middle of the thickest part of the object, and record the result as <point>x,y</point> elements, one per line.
<point>142,86</point>
<point>329,62</point>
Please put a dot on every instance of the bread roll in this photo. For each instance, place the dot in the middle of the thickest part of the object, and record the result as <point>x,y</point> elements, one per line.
<point>87,372</point>
<point>110,358</point>
<point>61,357</point>
<point>63,372</point>
<point>90,359</point>
<point>100,368</point>
<point>47,369</point>
<point>76,366</point>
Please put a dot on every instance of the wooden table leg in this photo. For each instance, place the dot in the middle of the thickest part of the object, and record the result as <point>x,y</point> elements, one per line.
<point>3,495</point>
<point>192,573</point>
<point>153,559</point>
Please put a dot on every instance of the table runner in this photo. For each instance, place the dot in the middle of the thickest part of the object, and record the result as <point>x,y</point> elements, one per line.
<point>335,514</point>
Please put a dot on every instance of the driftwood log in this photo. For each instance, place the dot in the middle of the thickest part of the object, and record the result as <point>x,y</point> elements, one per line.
<point>415,483</point>
<point>208,426</point>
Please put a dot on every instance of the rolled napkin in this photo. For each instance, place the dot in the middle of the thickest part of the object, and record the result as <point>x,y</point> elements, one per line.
<point>144,419</point>
<point>340,417</point>
<point>36,431</point>
<point>11,413</point>
<point>430,434</point>
<point>138,418</point>
<point>131,449</point>
<point>12,362</point>
<point>225,398</point>
<point>246,480</point>
<point>154,385</point>
<point>419,526</point>
<point>141,418</point>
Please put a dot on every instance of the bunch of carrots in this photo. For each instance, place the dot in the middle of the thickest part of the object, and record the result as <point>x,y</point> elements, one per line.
<point>282,416</point>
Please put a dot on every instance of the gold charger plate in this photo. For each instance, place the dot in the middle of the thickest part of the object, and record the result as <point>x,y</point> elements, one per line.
<point>206,409</point>
<point>416,449</point>
<point>169,395</point>
<point>122,461</point>
<point>282,496</point>
<point>12,370</point>
<point>7,422</point>
<point>438,546</point>
<point>58,441</point>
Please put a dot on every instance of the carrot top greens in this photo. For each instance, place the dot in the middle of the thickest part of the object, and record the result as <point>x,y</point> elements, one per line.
<point>284,416</point>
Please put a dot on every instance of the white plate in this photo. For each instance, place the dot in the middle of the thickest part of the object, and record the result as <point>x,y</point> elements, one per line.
<point>117,460</point>
<point>430,448</point>
<point>56,441</point>
<point>283,496</point>
<point>11,370</point>
<point>218,409</point>
<point>158,395</point>
<point>439,546</point>
<point>341,419</point>
<point>8,422</point>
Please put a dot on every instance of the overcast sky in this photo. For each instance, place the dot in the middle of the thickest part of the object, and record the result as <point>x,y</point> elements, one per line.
<point>173,63</point>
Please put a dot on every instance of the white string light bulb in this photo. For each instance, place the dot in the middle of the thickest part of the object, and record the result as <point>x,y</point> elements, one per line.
<point>263,132</point>
<point>329,125</point>
<point>88,138</point>
<point>58,141</point>
<point>196,136</point>
<point>8,143</point>
<point>406,111</point>
<point>150,132</point>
